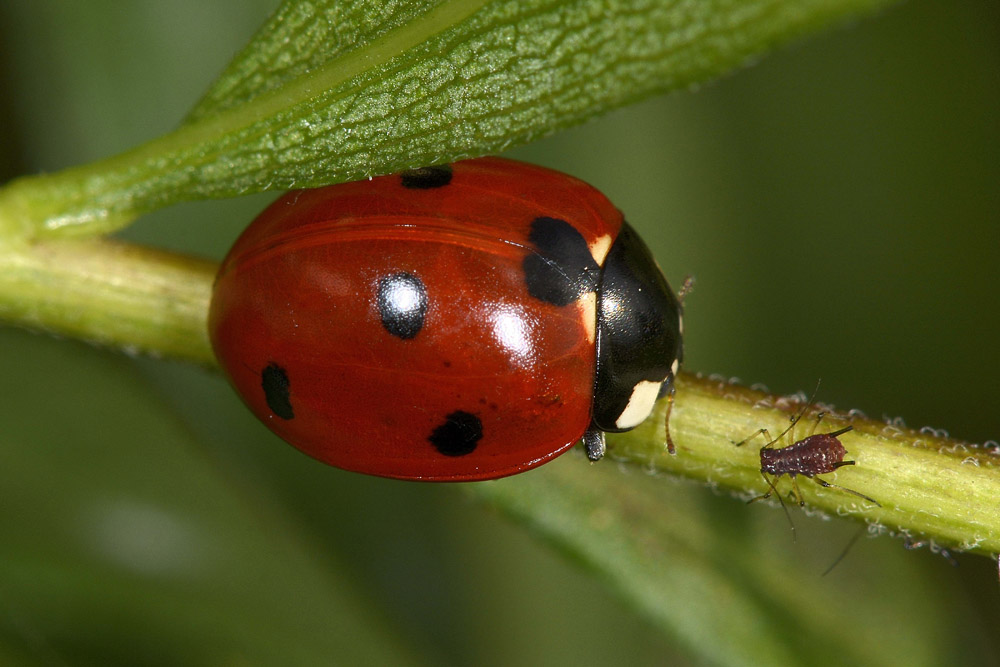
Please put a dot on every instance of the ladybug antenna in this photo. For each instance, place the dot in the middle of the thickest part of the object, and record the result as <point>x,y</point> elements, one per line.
<point>686,288</point>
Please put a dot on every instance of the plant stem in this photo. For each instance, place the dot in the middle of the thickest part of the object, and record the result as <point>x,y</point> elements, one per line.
<point>155,302</point>
<point>928,486</point>
<point>112,293</point>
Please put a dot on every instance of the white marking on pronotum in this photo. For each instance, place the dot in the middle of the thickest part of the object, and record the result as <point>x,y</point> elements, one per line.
<point>639,405</point>
<point>588,311</point>
<point>599,248</point>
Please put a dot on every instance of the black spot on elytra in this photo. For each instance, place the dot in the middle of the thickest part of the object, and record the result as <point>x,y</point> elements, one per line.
<point>426,178</point>
<point>458,435</point>
<point>561,268</point>
<point>402,304</point>
<point>274,382</point>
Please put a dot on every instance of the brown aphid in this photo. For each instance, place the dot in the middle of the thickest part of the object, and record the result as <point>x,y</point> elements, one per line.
<point>816,454</point>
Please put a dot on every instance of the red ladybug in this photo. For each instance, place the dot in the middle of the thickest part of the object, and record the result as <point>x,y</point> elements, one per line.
<point>452,323</point>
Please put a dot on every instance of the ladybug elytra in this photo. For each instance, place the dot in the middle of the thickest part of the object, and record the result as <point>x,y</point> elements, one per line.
<point>451,323</point>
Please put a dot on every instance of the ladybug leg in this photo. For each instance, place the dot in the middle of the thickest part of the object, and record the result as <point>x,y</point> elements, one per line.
<point>594,443</point>
<point>666,420</point>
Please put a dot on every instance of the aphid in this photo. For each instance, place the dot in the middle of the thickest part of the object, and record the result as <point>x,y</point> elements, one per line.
<point>816,454</point>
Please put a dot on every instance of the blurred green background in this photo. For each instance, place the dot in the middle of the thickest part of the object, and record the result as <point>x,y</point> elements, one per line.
<point>838,204</point>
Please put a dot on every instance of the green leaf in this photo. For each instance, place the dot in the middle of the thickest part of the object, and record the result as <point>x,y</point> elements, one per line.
<point>301,37</point>
<point>414,87</point>
<point>729,595</point>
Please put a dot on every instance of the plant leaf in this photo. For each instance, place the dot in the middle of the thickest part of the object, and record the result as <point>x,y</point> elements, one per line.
<point>456,79</point>
<point>301,37</point>
<point>729,594</point>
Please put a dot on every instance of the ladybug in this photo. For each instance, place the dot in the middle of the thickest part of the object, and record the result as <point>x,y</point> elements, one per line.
<point>451,323</point>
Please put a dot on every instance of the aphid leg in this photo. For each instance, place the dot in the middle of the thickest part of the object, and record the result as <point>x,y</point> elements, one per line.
<point>773,490</point>
<point>909,544</point>
<point>771,487</point>
<point>828,485</point>
<point>595,444</point>
<point>666,420</point>
<point>843,553</point>
<point>795,494</point>
<point>792,421</point>
<point>819,418</point>
<point>948,557</point>
<point>744,441</point>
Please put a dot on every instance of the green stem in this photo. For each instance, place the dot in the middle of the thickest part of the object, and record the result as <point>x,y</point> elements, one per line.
<point>112,293</point>
<point>928,487</point>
